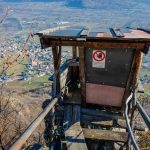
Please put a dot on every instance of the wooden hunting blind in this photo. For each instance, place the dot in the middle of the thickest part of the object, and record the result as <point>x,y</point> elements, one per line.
<point>94,92</point>
<point>108,62</point>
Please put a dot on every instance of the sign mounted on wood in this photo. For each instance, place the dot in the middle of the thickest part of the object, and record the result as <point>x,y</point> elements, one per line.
<point>98,58</point>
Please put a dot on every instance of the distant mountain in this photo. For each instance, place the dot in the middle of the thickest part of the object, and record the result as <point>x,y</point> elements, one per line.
<point>11,24</point>
<point>1,9</point>
<point>113,4</point>
<point>95,4</point>
<point>75,3</point>
<point>32,0</point>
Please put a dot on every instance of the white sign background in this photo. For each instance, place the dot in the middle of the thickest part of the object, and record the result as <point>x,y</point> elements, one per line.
<point>96,61</point>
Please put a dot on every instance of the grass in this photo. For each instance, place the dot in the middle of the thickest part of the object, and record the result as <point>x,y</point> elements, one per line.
<point>34,83</point>
<point>147,89</point>
<point>15,68</point>
<point>146,86</point>
<point>144,72</point>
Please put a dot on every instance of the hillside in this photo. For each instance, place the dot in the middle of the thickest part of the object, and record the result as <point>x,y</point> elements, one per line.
<point>27,79</point>
<point>108,4</point>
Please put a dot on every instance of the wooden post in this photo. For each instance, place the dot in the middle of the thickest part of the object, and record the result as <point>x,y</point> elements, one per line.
<point>57,62</point>
<point>82,73</point>
<point>132,79</point>
<point>138,64</point>
<point>74,69</point>
<point>74,51</point>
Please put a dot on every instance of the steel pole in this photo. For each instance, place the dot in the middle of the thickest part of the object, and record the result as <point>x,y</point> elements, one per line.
<point>34,124</point>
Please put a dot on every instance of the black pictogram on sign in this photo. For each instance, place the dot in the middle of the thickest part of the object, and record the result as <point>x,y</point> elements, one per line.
<point>99,55</point>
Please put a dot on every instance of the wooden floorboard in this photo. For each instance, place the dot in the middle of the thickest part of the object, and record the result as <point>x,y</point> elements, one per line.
<point>73,132</point>
<point>106,135</point>
<point>75,138</point>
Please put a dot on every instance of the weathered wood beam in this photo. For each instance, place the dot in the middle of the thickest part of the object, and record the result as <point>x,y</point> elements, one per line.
<point>138,63</point>
<point>88,118</point>
<point>74,51</point>
<point>75,138</point>
<point>133,75</point>
<point>103,123</point>
<point>137,126</point>
<point>120,124</point>
<point>57,61</point>
<point>105,135</point>
<point>104,39</point>
<point>140,87</point>
<point>110,44</point>
<point>82,73</point>
<point>84,32</point>
<point>98,113</point>
<point>67,116</point>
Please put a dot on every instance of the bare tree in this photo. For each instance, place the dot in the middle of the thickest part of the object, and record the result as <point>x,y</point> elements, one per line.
<point>2,18</point>
<point>10,124</point>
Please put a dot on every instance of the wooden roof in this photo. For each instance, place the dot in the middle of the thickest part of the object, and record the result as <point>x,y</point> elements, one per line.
<point>66,31</point>
<point>80,34</point>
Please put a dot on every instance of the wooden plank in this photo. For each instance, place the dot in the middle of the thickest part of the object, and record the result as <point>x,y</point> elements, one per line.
<point>73,96</point>
<point>103,123</point>
<point>105,135</point>
<point>67,116</point>
<point>98,113</point>
<point>75,138</point>
<point>63,78</point>
<point>116,32</point>
<point>137,66</point>
<point>54,51</point>
<point>121,124</point>
<point>108,44</point>
<point>84,32</point>
<point>74,51</point>
<point>137,125</point>
<point>133,75</point>
<point>107,38</point>
<point>73,132</point>
<point>82,73</point>
<point>140,87</point>
<point>57,61</point>
<point>130,78</point>
<point>51,30</point>
<point>87,118</point>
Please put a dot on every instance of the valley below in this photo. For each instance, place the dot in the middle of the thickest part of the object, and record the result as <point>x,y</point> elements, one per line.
<point>26,82</point>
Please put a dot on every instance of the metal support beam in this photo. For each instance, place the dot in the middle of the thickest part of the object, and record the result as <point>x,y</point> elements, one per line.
<point>34,124</point>
<point>131,136</point>
<point>143,114</point>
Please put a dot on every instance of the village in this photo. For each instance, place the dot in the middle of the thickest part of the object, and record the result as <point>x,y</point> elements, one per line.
<point>38,63</point>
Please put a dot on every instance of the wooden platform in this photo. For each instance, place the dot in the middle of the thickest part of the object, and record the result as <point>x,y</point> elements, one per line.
<point>75,135</point>
<point>75,138</point>
<point>73,132</point>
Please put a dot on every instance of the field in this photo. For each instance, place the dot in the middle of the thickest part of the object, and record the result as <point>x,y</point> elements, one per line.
<point>16,69</point>
<point>34,83</point>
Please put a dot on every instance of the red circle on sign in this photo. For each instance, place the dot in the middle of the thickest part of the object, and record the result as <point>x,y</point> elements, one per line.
<point>99,54</point>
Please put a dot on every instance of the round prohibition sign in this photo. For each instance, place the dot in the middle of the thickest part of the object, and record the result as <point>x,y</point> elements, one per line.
<point>99,55</point>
